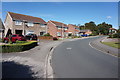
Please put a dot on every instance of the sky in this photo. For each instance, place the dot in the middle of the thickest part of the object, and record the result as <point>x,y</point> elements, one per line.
<point>67,12</point>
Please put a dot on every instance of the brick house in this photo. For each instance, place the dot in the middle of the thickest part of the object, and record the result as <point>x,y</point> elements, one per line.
<point>1,29</point>
<point>73,30</point>
<point>23,24</point>
<point>57,29</point>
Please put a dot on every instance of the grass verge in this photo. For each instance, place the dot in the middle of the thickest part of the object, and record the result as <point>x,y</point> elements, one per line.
<point>112,44</point>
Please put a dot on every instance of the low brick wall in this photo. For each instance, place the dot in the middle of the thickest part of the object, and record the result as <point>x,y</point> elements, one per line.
<point>45,37</point>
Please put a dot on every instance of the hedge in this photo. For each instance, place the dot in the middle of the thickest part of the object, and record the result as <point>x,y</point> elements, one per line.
<point>18,47</point>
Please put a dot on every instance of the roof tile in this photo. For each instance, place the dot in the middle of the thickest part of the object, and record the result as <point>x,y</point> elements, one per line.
<point>22,17</point>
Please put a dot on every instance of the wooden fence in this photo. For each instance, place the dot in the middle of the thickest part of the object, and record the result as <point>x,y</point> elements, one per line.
<point>45,37</point>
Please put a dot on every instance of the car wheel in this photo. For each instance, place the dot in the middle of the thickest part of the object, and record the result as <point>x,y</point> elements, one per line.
<point>5,41</point>
<point>30,38</point>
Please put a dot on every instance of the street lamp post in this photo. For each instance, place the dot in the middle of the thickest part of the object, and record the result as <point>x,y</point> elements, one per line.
<point>62,30</point>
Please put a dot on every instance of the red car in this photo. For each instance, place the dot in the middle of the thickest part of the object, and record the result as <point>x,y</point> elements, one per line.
<point>14,38</point>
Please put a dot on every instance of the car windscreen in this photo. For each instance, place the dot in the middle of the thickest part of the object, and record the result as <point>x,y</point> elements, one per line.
<point>21,35</point>
<point>13,36</point>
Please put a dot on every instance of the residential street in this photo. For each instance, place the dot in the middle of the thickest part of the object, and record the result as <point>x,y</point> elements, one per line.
<point>77,59</point>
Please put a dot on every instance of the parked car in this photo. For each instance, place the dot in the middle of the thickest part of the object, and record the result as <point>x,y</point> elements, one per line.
<point>31,36</point>
<point>14,38</point>
<point>84,35</point>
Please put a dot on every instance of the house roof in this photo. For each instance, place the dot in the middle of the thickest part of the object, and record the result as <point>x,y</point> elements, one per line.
<point>59,23</point>
<point>112,29</point>
<point>85,30</point>
<point>74,25</point>
<point>16,16</point>
<point>1,25</point>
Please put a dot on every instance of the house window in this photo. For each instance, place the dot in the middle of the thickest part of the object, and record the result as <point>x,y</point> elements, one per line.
<point>42,33</point>
<point>30,24</point>
<point>65,28</point>
<point>77,28</point>
<point>58,34</point>
<point>42,25</point>
<point>59,27</point>
<point>29,32</point>
<point>18,23</point>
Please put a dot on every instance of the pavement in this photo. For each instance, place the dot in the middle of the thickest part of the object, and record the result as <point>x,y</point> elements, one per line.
<point>34,59</point>
<point>104,48</point>
<point>77,59</point>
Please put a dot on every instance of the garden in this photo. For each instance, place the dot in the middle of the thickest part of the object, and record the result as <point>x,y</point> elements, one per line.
<point>18,46</point>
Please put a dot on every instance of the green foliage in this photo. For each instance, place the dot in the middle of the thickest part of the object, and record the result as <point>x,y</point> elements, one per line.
<point>91,25</point>
<point>102,28</point>
<point>76,37</point>
<point>21,46</point>
<point>47,34</point>
<point>117,35</point>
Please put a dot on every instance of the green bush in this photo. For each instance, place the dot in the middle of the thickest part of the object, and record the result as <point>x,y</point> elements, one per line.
<point>117,35</point>
<point>55,38</point>
<point>18,47</point>
<point>47,34</point>
<point>76,36</point>
<point>110,36</point>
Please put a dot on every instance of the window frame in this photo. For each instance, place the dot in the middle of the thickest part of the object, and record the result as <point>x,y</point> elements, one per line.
<point>18,23</point>
<point>59,34</point>
<point>31,24</point>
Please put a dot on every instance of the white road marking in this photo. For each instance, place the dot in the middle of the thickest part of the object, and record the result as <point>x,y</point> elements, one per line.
<point>68,48</point>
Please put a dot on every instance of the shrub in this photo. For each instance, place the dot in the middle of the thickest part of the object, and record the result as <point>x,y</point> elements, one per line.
<point>110,36</point>
<point>54,38</point>
<point>47,34</point>
<point>18,47</point>
<point>76,36</point>
<point>117,35</point>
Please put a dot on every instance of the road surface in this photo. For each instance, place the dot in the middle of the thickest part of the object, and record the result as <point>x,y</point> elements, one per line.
<point>77,59</point>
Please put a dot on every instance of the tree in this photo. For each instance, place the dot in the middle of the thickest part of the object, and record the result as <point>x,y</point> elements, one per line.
<point>104,28</point>
<point>91,25</point>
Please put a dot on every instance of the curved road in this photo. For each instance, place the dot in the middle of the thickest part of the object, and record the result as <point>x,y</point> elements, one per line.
<point>77,59</point>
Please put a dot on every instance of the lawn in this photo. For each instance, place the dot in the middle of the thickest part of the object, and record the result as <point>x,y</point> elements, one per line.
<point>112,44</point>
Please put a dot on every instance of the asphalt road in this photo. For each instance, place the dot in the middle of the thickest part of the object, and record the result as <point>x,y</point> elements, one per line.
<point>77,59</point>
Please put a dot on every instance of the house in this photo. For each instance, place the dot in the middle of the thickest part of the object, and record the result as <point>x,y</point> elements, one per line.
<point>57,29</point>
<point>1,29</point>
<point>73,30</point>
<point>23,24</point>
<point>112,30</point>
<point>85,31</point>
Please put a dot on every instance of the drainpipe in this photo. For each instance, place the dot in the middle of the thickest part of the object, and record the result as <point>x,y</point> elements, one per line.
<point>23,33</point>
<point>46,28</point>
